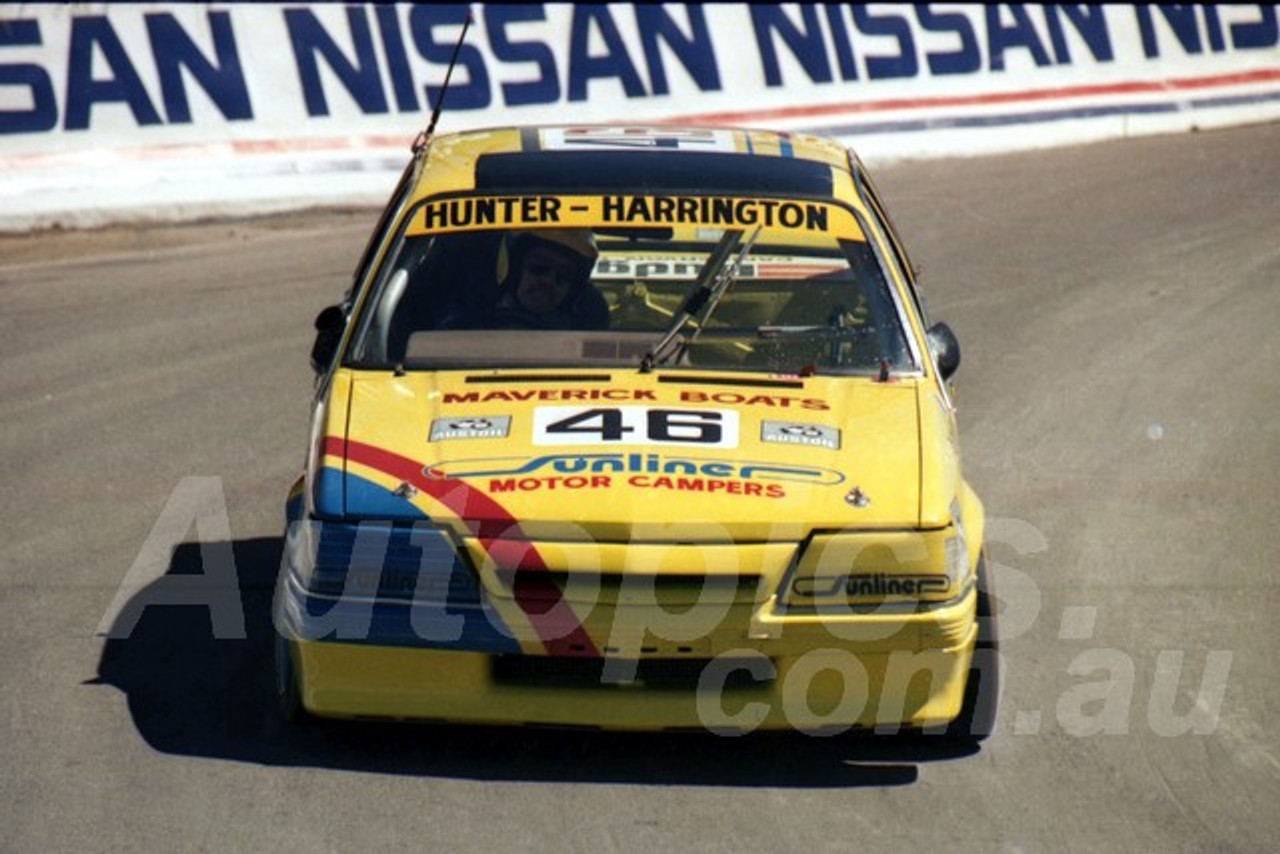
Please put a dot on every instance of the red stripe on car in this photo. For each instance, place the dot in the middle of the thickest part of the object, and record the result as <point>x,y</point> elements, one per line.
<point>558,627</point>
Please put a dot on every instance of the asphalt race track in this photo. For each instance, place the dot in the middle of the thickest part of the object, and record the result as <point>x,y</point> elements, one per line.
<point>1118,308</point>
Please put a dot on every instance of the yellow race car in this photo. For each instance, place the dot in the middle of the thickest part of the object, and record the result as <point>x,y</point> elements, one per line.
<point>636,428</point>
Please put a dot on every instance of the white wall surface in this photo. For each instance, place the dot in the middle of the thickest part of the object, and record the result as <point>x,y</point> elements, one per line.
<point>137,112</point>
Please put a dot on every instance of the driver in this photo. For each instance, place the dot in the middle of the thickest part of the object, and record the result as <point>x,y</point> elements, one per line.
<point>545,281</point>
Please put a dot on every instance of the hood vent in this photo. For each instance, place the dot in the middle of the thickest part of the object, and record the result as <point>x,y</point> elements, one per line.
<point>540,378</point>
<point>733,381</point>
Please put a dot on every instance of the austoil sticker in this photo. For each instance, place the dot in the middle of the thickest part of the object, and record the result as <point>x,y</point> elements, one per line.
<point>471,427</point>
<point>791,433</point>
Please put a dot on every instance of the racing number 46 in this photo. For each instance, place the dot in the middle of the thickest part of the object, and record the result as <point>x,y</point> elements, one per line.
<point>658,425</point>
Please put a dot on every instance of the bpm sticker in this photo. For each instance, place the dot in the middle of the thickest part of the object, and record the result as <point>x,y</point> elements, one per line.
<point>635,425</point>
<point>790,433</point>
<point>473,427</point>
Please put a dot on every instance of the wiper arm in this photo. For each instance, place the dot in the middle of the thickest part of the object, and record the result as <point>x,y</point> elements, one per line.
<point>694,300</point>
<point>726,277</point>
<point>839,335</point>
<point>713,281</point>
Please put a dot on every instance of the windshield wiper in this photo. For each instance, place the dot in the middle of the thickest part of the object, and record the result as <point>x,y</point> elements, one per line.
<point>712,282</point>
<point>838,334</point>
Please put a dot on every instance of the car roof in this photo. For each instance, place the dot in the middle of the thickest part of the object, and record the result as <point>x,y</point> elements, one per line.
<point>624,159</point>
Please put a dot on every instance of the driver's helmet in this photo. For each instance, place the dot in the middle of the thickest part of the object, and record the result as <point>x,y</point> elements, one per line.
<point>578,244</point>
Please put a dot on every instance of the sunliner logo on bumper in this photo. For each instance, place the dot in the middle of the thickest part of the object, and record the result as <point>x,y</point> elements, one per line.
<point>641,471</point>
<point>872,584</point>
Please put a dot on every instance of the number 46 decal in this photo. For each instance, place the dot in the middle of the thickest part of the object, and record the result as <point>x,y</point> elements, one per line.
<point>634,425</point>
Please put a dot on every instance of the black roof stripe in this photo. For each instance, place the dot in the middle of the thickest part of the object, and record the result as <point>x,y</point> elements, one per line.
<point>652,172</point>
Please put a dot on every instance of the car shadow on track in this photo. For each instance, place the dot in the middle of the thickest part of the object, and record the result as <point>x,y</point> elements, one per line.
<point>192,694</point>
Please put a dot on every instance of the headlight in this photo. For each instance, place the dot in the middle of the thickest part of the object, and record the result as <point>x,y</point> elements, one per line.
<point>391,563</point>
<point>877,567</point>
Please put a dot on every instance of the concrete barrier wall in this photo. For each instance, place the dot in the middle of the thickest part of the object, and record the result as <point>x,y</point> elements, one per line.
<point>122,112</point>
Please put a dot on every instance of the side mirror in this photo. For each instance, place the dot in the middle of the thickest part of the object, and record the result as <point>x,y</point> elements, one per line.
<point>329,323</point>
<point>945,348</point>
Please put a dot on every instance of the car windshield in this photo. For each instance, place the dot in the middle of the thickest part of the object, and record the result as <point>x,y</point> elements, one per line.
<point>760,298</point>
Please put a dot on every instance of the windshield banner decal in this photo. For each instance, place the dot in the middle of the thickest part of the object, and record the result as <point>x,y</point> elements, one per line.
<point>478,212</point>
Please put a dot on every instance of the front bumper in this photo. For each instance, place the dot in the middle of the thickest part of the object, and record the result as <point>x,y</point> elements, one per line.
<point>807,673</point>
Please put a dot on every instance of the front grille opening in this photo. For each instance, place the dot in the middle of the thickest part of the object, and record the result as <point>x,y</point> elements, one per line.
<point>535,585</point>
<point>678,674</point>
